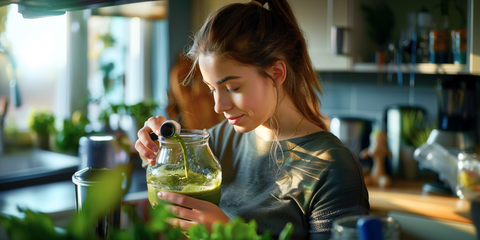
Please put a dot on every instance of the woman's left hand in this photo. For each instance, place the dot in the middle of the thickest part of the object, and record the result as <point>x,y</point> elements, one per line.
<point>192,211</point>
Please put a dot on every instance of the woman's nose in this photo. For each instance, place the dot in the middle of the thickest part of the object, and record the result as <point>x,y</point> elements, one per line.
<point>222,103</point>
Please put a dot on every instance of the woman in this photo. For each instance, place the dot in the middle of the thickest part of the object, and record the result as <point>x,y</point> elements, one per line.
<point>279,162</point>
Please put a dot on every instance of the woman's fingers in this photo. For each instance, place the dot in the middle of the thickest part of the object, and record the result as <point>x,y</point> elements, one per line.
<point>145,146</point>
<point>184,213</point>
<point>182,200</point>
<point>183,224</point>
<point>155,122</point>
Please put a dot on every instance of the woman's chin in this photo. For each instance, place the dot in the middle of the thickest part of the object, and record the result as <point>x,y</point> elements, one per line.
<point>242,129</point>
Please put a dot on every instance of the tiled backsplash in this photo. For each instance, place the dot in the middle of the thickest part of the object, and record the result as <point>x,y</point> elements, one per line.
<point>363,95</point>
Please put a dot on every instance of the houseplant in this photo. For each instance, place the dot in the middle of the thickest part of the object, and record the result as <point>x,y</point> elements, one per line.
<point>39,225</point>
<point>41,123</point>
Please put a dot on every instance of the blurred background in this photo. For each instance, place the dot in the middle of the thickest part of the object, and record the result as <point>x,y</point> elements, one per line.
<point>405,68</point>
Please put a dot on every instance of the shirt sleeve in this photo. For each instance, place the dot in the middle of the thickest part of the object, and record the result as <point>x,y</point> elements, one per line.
<point>341,192</point>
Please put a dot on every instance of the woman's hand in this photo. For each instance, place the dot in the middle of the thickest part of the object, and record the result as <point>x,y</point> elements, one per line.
<point>192,211</point>
<point>145,146</point>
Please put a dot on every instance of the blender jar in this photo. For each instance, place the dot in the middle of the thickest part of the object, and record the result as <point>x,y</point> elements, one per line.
<point>200,176</point>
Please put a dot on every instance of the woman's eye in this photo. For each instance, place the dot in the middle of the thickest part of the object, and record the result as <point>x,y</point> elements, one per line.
<point>232,90</point>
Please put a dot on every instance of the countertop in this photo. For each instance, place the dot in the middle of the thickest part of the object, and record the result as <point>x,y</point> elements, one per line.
<point>404,196</point>
<point>57,199</point>
<point>408,197</point>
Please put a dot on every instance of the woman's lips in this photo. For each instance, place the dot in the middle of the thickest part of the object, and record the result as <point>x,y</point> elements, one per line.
<point>234,120</point>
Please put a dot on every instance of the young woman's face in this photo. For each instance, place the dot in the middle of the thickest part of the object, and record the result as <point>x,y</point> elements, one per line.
<point>245,98</point>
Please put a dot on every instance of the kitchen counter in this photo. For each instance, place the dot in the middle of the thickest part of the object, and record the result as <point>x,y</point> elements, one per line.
<point>404,197</point>
<point>57,199</point>
<point>408,197</point>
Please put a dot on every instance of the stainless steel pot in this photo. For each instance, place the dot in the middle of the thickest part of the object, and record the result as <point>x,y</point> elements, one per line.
<point>100,151</point>
<point>354,132</point>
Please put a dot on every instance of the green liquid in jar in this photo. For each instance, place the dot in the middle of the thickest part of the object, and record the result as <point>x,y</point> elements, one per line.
<point>185,181</point>
<point>196,185</point>
<point>184,152</point>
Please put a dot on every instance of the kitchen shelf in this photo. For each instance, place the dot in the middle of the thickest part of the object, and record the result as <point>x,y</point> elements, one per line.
<point>421,68</point>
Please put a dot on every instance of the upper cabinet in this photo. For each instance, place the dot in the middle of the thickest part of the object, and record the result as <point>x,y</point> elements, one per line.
<point>339,36</point>
<point>319,19</point>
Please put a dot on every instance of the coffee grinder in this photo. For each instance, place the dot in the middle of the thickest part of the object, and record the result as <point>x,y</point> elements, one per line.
<point>458,121</point>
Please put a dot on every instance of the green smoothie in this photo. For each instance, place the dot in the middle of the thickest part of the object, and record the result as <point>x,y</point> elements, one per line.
<point>195,185</point>
<point>175,179</point>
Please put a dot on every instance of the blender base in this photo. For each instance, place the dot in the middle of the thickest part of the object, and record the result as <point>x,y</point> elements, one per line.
<point>437,187</point>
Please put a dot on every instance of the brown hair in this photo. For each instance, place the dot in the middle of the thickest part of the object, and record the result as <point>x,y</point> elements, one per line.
<point>257,36</point>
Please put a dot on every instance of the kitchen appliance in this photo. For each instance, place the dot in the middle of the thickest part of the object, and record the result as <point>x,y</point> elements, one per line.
<point>458,113</point>
<point>100,151</point>
<point>400,123</point>
<point>354,132</point>
<point>90,183</point>
<point>103,151</point>
<point>458,121</point>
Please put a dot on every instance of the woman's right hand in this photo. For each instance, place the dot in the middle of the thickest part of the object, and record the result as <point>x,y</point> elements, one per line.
<point>146,147</point>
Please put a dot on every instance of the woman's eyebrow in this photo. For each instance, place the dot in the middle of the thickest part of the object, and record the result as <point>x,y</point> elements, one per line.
<point>222,80</point>
<point>227,78</point>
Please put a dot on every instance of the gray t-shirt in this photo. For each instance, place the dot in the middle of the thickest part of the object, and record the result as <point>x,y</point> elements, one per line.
<point>317,179</point>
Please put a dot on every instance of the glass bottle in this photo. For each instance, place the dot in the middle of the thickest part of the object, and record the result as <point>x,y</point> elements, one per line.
<point>345,228</point>
<point>199,177</point>
<point>468,177</point>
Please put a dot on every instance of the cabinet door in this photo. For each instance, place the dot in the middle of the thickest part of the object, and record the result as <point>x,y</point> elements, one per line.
<point>316,18</point>
<point>202,8</point>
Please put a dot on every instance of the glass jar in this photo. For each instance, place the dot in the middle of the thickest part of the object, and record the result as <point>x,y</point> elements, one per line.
<point>459,46</point>
<point>468,177</point>
<point>346,228</point>
<point>199,177</point>
<point>438,46</point>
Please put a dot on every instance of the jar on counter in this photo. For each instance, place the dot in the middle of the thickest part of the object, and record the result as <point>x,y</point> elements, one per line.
<point>468,177</point>
<point>346,228</point>
<point>438,46</point>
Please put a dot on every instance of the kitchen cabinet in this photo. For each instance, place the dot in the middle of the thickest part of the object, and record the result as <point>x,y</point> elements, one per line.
<point>317,17</point>
<point>201,9</point>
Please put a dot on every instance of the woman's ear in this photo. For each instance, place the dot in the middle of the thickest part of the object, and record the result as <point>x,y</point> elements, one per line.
<point>278,71</point>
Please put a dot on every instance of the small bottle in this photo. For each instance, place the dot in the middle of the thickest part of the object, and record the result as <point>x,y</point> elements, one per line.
<point>168,129</point>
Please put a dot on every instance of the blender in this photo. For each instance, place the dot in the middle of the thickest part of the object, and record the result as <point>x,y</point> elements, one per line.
<point>458,123</point>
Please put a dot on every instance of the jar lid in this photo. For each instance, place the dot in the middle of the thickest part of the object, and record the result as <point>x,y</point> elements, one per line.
<point>90,176</point>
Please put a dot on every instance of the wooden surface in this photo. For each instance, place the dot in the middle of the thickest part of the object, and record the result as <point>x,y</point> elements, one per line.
<point>408,197</point>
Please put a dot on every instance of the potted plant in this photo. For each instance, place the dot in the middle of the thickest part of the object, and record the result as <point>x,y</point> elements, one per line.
<point>381,21</point>
<point>68,135</point>
<point>35,225</point>
<point>41,123</point>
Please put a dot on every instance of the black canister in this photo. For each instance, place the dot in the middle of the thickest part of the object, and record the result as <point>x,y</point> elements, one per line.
<point>88,184</point>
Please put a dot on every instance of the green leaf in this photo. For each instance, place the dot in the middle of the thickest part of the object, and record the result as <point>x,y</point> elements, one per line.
<point>218,231</point>
<point>287,232</point>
